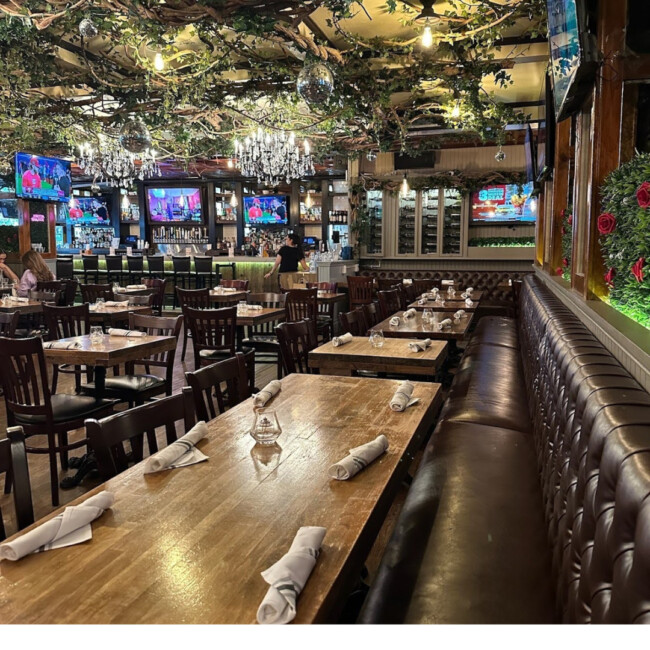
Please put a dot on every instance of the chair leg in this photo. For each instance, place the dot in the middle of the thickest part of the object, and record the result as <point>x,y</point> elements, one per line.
<point>55,378</point>
<point>184,342</point>
<point>54,474</point>
<point>63,454</point>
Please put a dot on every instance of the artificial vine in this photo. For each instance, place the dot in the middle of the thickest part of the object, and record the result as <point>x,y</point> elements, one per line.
<point>567,244</point>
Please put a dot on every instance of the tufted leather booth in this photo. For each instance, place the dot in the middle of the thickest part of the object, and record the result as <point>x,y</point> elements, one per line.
<point>532,500</point>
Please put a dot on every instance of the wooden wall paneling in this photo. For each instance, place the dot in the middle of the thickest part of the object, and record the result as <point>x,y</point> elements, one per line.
<point>629,120</point>
<point>540,226</point>
<point>563,156</point>
<point>608,103</point>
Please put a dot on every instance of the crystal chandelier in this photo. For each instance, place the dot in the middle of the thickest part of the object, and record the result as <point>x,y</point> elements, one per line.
<point>273,157</point>
<point>113,164</point>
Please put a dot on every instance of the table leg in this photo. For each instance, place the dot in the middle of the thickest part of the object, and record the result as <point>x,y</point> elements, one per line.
<point>240,336</point>
<point>100,381</point>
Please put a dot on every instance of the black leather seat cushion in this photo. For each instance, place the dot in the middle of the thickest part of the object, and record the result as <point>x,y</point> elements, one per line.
<point>68,407</point>
<point>130,383</point>
<point>492,330</point>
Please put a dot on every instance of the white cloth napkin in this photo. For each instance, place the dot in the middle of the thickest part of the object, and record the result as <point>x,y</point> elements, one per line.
<point>254,307</point>
<point>131,287</point>
<point>116,303</point>
<point>229,289</point>
<point>468,302</point>
<point>72,526</point>
<point>402,398</point>
<point>459,314</point>
<point>419,346</point>
<point>61,345</point>
<point>394,321</point>
<point>342,340</point>
<point>444,323</point>
<point>116,331</point>
<point>19,299</point>
<point>359,458</point>
<point>181,453</point>
<point>409,313</point>
<point>289,575</point>
<point>269,391</point>
<point>407,281</point>
<point>422,301</point>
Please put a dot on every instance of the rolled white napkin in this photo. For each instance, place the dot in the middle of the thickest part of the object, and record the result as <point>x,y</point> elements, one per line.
<point>422,301</point>
<point>116,331</point>
<point>132,287</point>
<point>229,289</point>
<point>181,453</point>
<point>116,303</point>
<point>19,299</point>
<point>254,307</point>
<point>289,575</point>
<point>444,324</point>
<point>342,340</point>
<point>61,345</point>
<point>270,390</point>
<point>419,346</point>
<point>407,281</point>
<point>401,400</point>
<point>394,321</point>
<point>469,290</point>
<point>72,526</point>
<point>459,314</point>
<point>409,313</point>
<point>359,458</point>
<point>468,302</point>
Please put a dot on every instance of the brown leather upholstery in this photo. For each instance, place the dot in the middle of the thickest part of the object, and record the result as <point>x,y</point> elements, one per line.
<point>531,501</point>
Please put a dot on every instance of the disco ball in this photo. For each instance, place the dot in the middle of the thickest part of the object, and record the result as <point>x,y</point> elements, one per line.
<point>315,83</point>
<point>500,155</point>
<point>135,137</point>
<point>5,167</point>
<point>87,28</point>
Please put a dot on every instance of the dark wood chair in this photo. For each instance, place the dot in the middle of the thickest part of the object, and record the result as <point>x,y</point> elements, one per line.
<point>421,286</point>
<point>387,284</point>
<point>389,302</point>
<point>404,299</point>
<point>54,287</point>
<point>30,404</point>
<point>65,267</point>
<point>90,292</point>
<point>9,323</point>
<point>353,322</point>
<point>156,266</point>
<point>13,463</point>
<point>411,292</point>
<point>135,266</point>
<point>330,287</point>
<point>325,309</point>
<point>63,323</point>
<point>71,287</point>
<point>240,285</point>
<point>91,272</point>
<point>160,286</point>
<point>360,289</point>
<point>136,388</point>
<point>144,301</point>
<point>262,338</point>
<point>303,303</point>
<point>203,271</point>
<point>296,341</point>
<point>181,273</point>
<point>371,314</point>
<point>206,384</point>
<point>115,269</point>
<point>107,436</point>
<point>195,298</point>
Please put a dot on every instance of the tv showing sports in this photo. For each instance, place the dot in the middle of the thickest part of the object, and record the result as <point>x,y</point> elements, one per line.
<point>266,210</point>
<point>45,179</point>
<point>88,210</point>
<point>502,204</point>
<point>174,204</point>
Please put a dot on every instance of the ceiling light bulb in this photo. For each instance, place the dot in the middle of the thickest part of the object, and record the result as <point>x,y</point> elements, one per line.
<point>159,62</point>
<point>427,36</point>
<point>308,201</point>
<point>233,200</point>
<point>405,186</point>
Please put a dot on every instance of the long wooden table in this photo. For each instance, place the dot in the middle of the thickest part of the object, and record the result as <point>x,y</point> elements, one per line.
<point>416,328</point>
<point>108,316</point>
<point>394,356</point>
<point>252,317</point>
<point>29,307</point>
<point>188,545</point>
<point>228,297</point>
<point>450,305</point>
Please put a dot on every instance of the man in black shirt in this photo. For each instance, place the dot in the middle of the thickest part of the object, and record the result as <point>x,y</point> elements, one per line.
<point>289,256</point>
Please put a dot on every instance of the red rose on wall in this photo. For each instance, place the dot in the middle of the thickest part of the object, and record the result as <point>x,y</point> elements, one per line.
<point>563,214</point>
<point>558,270</point>
<point>609,277</point>
<point>565,262</point>
<point>606,223</point>
<point>570,221</point>
<point>563,230</point>
<point>643,195</point>
<point>637,269</point>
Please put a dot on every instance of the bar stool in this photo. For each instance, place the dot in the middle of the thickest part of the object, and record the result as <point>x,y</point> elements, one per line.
<point>114,269</point>
<point>203,273</point>
<point>181,266</point>
<point>64,267</point>
<point>91,268</point>
<point>156,266</point>
<point>135,264</point>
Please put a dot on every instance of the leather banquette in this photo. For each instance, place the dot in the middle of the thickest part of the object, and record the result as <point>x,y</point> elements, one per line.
<point>532,501</point>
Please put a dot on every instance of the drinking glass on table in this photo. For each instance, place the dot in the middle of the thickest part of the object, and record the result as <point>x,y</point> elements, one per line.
<point>266,428</point>
<point>96,334</point>
<point>116,287</point>
<point>376,338</point>
<point>242,307</point>
<point>427,315</point>
<point>99,304</point>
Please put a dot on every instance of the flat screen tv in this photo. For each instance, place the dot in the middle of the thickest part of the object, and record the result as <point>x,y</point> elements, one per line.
<point>266,210</point>
<point>546,133</point>
<point>573,59</point>
<point>45,179</point>
<point>174,204</point>
<point>88,210</point>
<point>502,204</point>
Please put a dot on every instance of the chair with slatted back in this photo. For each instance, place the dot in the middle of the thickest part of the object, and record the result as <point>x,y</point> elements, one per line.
<point>136,388</point>
<point>65,267</point>
<point>403,293</point>
<point>115,269</point>
<point>386,284</point>
<point>203,271</point>
<point>90,292</point>
<point>143,301</point>
<point>91,272</point>
<point>135,266</point>
<point>181,273</point>
<point>30,404</point>
<point>329,287</point>
<point>240,285</point>
<point>70,294</point>
<point>160,286</point>
<point>303,303</point>
<point>9,323</point>
<point>360,289</point>
<point>353,322</point>
<point>371,314</point>
<point>421,286</point>
<point>296,341</point>
<point>262,338</point>
<point>107,436</point>
<point>389,302</point>
<point>206,384</point>
<point>411,292</point>
<point>64,323</point>
<point>55,287</point>
<point>326,310</point>
<point>195,298</point>
<point>13,463</point>
<point>156,266</point>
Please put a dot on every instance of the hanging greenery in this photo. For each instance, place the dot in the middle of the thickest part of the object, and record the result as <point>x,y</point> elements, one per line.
<point>624,228</point>
<point>567,243</point>
<point>200,73</point>
<point>502,242</point>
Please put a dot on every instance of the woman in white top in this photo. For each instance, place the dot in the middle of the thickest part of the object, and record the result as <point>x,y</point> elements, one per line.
<point>35,271</point>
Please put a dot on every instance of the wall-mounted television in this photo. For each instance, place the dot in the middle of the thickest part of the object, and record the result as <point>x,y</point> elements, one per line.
<point>89,210</point>
<point>546,133</point>
<point>573,57</point>
<point>266,210</point>
<point>174,204</point>
<point>45,179</point>
<point>502,204</point>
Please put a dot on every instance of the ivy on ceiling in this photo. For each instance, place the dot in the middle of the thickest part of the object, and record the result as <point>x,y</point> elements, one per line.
<point>232,65</point>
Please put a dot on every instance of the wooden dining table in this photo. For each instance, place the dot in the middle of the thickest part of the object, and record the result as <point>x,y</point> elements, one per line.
<point>108,316</point>
<point>28,307</point>
<point>228,297</point>
<point>188,545</point>
<point>416,328</point>
<point>450,305</point>
<point>393,356</point>
<point>253,317</point>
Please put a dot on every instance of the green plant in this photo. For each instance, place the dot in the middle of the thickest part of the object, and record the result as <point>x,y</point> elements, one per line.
<point>360,228</point>
<point>567,243</point>
<point>502,242</point>
<point>624,230</point>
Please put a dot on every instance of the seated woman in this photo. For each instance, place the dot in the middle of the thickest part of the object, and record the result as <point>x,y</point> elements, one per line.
<point>35,271</point>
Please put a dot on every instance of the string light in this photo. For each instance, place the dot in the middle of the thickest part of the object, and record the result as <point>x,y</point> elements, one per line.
<point>159,62</point>
<point>233,200</point>
<point>405,187</point>
<point>427,36</point>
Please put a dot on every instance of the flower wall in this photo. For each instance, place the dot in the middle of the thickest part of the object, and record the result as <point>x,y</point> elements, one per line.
<point>624,228</point>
